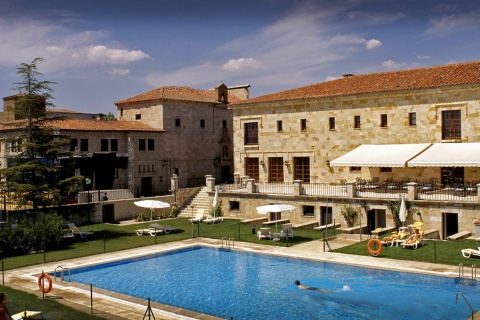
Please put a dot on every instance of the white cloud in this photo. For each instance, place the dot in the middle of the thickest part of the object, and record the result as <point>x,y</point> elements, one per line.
<point>447,24</point>
<point>375,18</point>
<point>104,55</point>
<point>372,44</point>
<point>118,72</point>
<point>390,64</point>
<point>241,64</point>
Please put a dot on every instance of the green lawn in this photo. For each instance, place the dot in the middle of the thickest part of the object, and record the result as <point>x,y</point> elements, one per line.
<point>109,238</point>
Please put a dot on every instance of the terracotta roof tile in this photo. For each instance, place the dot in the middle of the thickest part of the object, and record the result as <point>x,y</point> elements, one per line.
<point>94,125</point>
<point>177,93</point>
<point>424,78</point>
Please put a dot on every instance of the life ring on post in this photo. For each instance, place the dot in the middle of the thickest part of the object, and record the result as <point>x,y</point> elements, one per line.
<point>371,250</point>
<point>41,283</point>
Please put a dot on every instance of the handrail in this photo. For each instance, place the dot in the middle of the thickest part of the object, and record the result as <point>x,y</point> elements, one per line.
<point>456,302</point>
<point>62,273</point>
<point>460,268</point>
<point>227,242</point>
<point>474,271</point>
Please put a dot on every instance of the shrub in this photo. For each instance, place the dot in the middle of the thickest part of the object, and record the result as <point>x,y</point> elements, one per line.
<point>350,214</point>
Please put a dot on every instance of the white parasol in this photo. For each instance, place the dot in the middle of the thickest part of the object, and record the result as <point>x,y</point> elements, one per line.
<point>152,204</point>
<point>215,202</point>
<point>403,213</point>
<point>275,208</point>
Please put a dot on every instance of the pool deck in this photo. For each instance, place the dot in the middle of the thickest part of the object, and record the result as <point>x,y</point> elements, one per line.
<point>111,305</point>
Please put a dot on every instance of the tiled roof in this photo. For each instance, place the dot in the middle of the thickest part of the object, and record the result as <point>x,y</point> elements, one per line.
<point>94,125</point>
<point>424,78</point>
<point>178,94</point>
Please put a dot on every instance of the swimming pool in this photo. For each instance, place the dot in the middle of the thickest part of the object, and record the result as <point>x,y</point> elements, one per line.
<point>245,285</point>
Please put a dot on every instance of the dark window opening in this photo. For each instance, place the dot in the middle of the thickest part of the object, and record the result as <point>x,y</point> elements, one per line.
<point>83,144</point>
<point>202,123</point>
<point>141,144</point>
<point>279,126</point>
<point>151,144</point>
<point>308,211</point>
<point>114,144</point>
<point>356,122</point>
<point>138,116</point>
<point>104,145</point>
<point>331,123</point>
<point>412,118</point>
<point>251,133</point>
<point>234,205</point>
<point>383,121</point>
<point>303,124</point>
<point>177,122</point>
<point>451,125</point>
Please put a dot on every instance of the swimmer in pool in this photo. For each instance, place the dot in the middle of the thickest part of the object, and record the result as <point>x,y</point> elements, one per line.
<point>301,286</point>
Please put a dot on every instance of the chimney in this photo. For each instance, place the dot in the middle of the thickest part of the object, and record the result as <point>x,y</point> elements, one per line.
<point>348,75</point>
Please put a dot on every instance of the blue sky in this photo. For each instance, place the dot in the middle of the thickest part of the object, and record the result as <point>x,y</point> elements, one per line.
<point>100,52</point>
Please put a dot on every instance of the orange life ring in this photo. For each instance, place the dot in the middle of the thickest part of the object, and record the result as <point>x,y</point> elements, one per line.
<point>369,247</point>
<point>40,283</point>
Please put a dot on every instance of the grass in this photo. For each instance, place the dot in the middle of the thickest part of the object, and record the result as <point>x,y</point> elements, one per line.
<point>18,301</point>
<point>109,238</point>
<point>434,251</point>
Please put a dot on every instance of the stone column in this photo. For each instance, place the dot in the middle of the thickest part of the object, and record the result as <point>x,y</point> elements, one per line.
<point>412,190</point>
<point>351,189</point>
<point>210,183</point>
<point>251,186</point>
<point>297,187</point>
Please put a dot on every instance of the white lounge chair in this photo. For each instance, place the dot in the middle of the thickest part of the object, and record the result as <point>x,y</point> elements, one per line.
<point>165,228</point>
<point>150,231</point>
<point>213,220</point>
<point>287,230</point>
<point>264,233</point>
<point>198,217</point>
<point>27,315</point>
<point>467,253</point>
<point>75,231</point>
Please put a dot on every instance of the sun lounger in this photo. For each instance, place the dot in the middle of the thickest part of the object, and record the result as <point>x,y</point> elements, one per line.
<point>27,315</point>
<point>198,217</point>
<point>213,220</point>
<point>264,233</point>
<point>467,253</point>
<point>150,231</point>
<point>165,228</point>
<point>413,242</point>
<point>75,231</point>
<point>287,231</point>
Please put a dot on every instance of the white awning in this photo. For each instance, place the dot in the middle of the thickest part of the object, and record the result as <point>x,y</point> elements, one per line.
<point>380,155</point>
<point>449,155</point>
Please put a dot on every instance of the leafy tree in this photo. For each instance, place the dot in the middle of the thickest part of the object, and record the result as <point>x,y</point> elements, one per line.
<point>110,117</point>
<point>35,173</point>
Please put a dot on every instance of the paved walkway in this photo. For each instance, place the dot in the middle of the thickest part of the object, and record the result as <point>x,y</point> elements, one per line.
<point>111,305</point>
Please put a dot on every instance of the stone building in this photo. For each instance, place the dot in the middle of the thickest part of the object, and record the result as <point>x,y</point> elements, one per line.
<point>194,137</point>
<point>418,125</point>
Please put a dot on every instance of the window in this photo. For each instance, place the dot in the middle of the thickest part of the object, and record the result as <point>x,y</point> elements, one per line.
<point>252,168</point>
<point>412,118</point>
<point>385,169</point>
<point>251,133</point>
<point>202,123</point>
<point>308,211</point>
<point>141,144</point>
<point>177,122</point>
<point>151,144</point>
<point>138,116</point>
<point>114,145</point>
<point>275,169</point>
<point>234,205</point>
<point>355,169</point>
<point>331,123</point>
<point>383,121</point>
<point>73,144</point>
<point>224,123</point>
<point>83,144</point>
<point>121,112</point>
<point>356,122</point>
<point>303,124</point>
<point>451,125</point>
<point>104,145</point>
<point>302,169</point>
<point>279,126</point>
<point>177,172</point>
<point>327,216</point>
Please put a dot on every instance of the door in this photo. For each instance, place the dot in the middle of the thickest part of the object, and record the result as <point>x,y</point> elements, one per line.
<point>450,224</point>
<point>251,168</point>
<point>376,218</point>
<point>108,213</point>
<point>146,187</point>
<point>275,169</point>
<point>327,217</point>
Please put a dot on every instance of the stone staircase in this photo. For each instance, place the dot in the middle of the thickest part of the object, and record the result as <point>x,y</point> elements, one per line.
<point>200,201</point>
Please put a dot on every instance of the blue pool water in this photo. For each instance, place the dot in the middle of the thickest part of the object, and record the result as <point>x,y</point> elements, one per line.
<point>244,285</point>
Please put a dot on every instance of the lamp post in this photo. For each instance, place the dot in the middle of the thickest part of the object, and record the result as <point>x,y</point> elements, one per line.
<point>88,181</point>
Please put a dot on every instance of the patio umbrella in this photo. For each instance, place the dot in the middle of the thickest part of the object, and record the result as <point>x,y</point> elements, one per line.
<point>215,202</point>
<point>152,204</point>
<point>402,214</point>
<point>275,208</point>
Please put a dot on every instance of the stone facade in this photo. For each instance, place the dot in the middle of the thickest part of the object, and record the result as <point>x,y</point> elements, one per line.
<point>300,131</point>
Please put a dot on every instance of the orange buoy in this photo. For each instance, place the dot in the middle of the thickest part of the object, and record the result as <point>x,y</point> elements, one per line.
<point>41,283</point>
<point>371,250</point>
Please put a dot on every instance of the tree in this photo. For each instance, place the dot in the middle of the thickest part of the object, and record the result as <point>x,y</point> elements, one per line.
<point>34,174</point>
<point>110,117</point>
